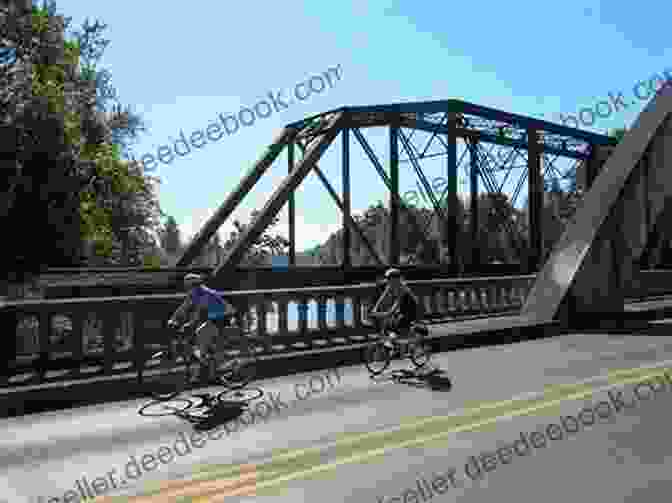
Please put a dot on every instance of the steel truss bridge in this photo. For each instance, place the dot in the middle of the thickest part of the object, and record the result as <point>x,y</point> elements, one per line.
<point>487,145</point>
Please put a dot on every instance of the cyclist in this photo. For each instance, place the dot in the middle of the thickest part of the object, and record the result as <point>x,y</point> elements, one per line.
<point>202,303</point>
<point>405,305</point>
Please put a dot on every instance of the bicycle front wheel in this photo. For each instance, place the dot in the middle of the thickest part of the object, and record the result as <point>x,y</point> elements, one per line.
<point>420,353</point>
<point>377,357</point>
<point>167,374</point>
<point>237,363</point>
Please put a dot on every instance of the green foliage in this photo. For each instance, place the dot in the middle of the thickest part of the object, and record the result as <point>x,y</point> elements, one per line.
<point>88,73</point>
<point>266,245</point>
<point>170,237</point>
<point>503,232</point>
<point>618,133</point>
<point>40,20</point>
<point>152,261</point>
<point>67,149</point>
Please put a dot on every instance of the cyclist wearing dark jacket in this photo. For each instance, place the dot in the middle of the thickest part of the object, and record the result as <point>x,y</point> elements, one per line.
<point>405,305</point>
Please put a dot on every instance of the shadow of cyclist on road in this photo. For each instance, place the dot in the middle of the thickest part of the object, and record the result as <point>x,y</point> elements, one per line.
<point>213,412</point>
<point>431,378</point>
<point>221,413</point>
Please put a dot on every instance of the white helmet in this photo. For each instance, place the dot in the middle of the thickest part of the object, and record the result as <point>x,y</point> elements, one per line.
<point>392,273</point>
<point>193,278</point>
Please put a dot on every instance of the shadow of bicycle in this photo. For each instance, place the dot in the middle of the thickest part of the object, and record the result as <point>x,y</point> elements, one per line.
<point>205,411</point>
<point>427,377</point>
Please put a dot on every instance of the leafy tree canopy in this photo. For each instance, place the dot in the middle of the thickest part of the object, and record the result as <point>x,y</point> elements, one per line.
<point>63,141</point>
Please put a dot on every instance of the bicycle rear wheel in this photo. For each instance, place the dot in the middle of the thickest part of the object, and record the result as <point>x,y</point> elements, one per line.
<point>377,357</point>
<point>169,375</point>
<point>169,407</point>
<point>420,354</point>
<point>237,363</point>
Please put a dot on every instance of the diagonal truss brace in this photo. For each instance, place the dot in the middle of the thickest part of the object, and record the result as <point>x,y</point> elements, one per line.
<point>316,148</point>
<point>412,218</point>
<point>234,199</point>
<point>340,205</point>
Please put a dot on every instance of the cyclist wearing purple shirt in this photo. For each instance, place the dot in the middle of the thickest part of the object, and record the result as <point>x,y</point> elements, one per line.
<point>203,303</point>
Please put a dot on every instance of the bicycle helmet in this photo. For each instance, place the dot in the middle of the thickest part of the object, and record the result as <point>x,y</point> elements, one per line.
<point>193,278</point>
<point>392,273</point>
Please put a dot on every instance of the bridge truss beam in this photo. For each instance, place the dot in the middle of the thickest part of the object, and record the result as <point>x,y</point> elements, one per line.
<point>494,140</point>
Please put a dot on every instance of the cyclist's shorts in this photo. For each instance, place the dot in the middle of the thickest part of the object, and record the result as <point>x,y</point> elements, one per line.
<point>405,322</point>
<point>217,311</point>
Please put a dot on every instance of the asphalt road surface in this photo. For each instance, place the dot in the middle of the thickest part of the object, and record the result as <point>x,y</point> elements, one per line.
<point>370,441</point>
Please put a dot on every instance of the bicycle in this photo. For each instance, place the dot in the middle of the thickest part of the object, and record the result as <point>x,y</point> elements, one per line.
<point>232,363</point>
<point>385,348</point>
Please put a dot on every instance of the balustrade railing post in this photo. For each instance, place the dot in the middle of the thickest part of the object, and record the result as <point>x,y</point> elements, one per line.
<point>322,313</point>
<point>433,304</point>
<point>76,342</point>
<point>44,318</point>
<point>262,312</point>
<point>482,299</point>
<point>138,346</point>
<point>283,328</point>
<point>340,312</point>
<point>108,317</point>
<point>303,315</point>
<point>9,344</point>
<point>357,311</point>
<point>492,298</point>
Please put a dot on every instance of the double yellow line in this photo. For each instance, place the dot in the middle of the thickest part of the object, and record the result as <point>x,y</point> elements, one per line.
<point>213,483</point>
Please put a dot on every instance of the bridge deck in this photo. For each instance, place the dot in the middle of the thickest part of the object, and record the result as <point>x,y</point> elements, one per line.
<point>46,454</point>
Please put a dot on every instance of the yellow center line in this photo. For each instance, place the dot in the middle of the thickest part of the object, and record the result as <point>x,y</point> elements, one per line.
<point>252,489</point>
<point>218,471</point>
<point>239,479</point>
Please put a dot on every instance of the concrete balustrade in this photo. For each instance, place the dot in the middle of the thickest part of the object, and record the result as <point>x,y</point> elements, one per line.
<point>65,339</point>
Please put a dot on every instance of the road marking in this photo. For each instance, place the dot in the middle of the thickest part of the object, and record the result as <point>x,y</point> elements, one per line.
<point>288,466</point>
<point>252,479</point>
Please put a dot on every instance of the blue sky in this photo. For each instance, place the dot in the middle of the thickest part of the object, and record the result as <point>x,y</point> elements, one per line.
<point>180,67</point>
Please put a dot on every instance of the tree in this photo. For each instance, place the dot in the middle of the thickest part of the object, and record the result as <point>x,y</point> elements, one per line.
<point>170,237</point>
<point>133,211</point>
<point>266,245</point>
<point>65,169</point>
<point>497,221</point>
<point>618,133</point>
<point>212,253</point>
